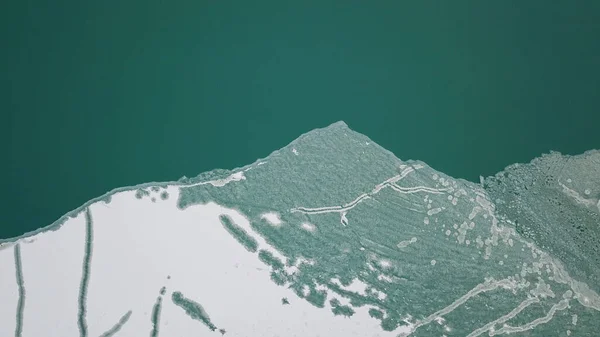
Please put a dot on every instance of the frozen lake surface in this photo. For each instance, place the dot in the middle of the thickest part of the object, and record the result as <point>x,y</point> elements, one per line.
<point>330,236</point>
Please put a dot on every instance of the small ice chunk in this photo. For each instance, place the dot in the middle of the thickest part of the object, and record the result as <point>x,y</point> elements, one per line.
<point>272,218</point>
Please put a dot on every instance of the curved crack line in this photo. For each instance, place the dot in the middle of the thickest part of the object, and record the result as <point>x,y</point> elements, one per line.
<point>155,318</point>
<point>359,199</point>
<point>416,189</point>
<point>391,182</point>
<point>489,285</point>
<point>507,329</point>
<point>489,326</point>
<point>117,326</point>
<point>21,284</point>
<point>85,278</point>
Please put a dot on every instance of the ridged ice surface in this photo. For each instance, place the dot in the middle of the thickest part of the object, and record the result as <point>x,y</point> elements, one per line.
<point>329,236</point>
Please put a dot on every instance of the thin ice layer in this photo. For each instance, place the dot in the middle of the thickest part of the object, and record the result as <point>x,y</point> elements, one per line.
<point>554,201</point>
<point>331,229</point>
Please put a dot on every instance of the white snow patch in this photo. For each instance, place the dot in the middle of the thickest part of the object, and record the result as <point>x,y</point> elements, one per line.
<point>137,245</point>
<point>356,286</point>
<point>308,227</point>
<point>9,291</point>
<point>272,218</point>
<point>52,267</point>
<point>140,247</point>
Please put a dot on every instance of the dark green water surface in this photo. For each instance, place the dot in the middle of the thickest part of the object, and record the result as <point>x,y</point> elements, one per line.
<point>98,95</point>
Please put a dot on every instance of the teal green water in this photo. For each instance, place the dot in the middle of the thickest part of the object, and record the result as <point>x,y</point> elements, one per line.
<point>107,94</point>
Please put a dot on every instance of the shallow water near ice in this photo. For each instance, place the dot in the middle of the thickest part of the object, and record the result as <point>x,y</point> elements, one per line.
<point>329,236</point>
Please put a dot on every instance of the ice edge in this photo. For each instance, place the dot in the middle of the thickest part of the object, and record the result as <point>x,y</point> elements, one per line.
<point>180,182</point>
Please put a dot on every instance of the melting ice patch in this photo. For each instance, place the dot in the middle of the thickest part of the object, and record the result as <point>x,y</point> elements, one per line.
<point>272,218</point>
<point>372,246</point>
<point>309,227</point>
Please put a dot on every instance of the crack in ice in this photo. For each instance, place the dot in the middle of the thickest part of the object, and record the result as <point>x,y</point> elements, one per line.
<point>504,318</point>
<point>117,326</point>
<point>85,278</point>
<point>21,285</point>
<point>507,329</point>
<point>488,285</point>
<point>391,182</point>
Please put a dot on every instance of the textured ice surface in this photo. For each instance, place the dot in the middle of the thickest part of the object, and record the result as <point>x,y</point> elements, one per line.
<point>329,236</point>
<point>554,201</point>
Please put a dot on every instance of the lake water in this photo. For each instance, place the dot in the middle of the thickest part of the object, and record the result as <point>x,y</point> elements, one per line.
<point>112,94</point>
